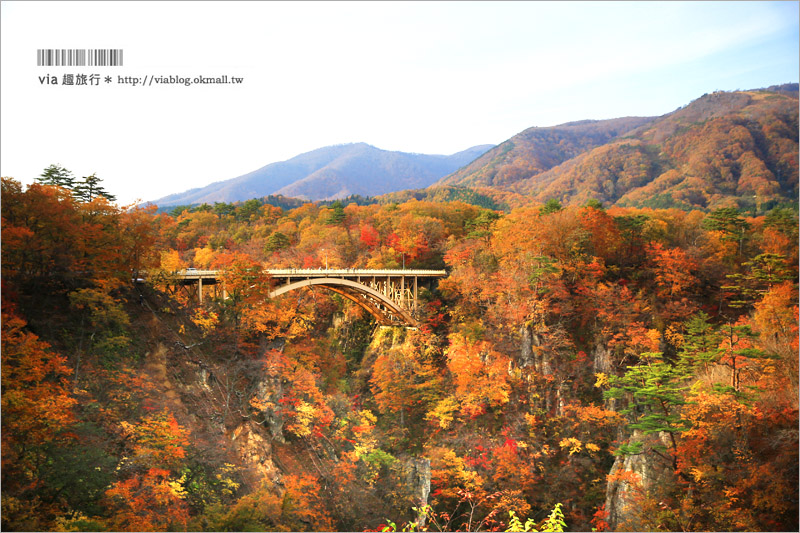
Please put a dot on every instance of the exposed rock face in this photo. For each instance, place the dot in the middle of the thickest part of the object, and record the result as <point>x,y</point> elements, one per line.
<point>526,347</point>
<point>203,379</point>
<point>156,367</point>
<point>531,354</point>
<point>383,340</point>
<point>601,360</point>
<point>543,362</point>
<point>255,451</point>
<point>632,477</point>
<point>418,478</point>
<point>268,391</point>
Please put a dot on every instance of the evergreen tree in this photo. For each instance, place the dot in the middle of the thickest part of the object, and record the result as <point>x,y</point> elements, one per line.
<point>700,344</point>
<point>248,209</point>
<point>277,241</point>
<point>552,206</point>
<point>655,391</point>
<point>480,226</point>
<point>58,176</point>
<point>730,222</point>
<point>90,188</point>
<point>337,215</point>
<point>223,208</point>
<point>594,203</point>
<point>738,352</point>
<point>783,220</point>
<point>761,274</point>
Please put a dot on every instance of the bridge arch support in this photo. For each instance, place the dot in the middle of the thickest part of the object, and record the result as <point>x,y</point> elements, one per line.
<point>384,309</point>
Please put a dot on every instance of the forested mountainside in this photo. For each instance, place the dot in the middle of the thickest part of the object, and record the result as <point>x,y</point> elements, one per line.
<point>538,149</point>
<point>332,172</point>
<point>588,367</point>
<point>735,149</point>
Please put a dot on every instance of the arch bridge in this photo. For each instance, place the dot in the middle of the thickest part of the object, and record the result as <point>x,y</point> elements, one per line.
<point>391,296</point>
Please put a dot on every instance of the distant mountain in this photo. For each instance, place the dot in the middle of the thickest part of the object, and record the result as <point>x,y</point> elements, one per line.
<point>330,173</point>
<point>536,150</point>
<point>723,149</point>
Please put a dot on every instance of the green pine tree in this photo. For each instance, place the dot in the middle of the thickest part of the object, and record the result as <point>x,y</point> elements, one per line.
<point>700,344</point>
<point>551,206</point>
<point>730,222</point>
<point>337,215</point>
<point>277,241</point>
<point>90,188</point>
<point>58,176</point>
<point>655,393</point>
<point>738,352</point>
<point>761,274</point>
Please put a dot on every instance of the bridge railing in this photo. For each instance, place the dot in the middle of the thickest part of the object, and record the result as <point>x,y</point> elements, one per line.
<point>338,272</point>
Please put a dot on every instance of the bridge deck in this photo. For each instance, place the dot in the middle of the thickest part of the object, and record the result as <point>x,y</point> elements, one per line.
<point>322,273</point>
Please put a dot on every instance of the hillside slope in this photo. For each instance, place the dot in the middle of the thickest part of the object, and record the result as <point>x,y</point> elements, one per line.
<point>723,149</point>
<point>536,150</point>
<point>332,172</point>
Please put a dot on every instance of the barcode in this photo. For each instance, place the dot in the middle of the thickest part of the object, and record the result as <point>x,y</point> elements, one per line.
<point>59,57</point>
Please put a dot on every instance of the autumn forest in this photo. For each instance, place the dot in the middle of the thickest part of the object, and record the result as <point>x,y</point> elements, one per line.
<point>585,365</point>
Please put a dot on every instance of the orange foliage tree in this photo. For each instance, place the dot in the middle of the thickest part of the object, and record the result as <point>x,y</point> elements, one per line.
<point>480,375</point>
<point>152,498</point>
<point>37,403</point>
<point>147,502</point>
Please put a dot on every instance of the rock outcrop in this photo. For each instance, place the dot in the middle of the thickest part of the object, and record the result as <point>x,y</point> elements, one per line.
<point>255,452</point>
<point>418,478</point>
<point>632,477</point>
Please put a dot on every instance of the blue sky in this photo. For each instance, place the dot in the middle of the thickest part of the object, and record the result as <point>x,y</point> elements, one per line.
<point>430,77</point>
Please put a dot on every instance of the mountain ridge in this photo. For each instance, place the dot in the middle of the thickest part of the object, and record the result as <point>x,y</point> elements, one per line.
<point>331,172</point>
<point>520,154</point>
<point>724,149</point>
